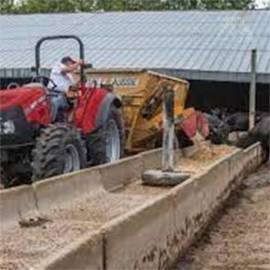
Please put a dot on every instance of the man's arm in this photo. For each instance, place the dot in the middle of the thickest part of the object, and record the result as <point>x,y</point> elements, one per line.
<point>73,67</point>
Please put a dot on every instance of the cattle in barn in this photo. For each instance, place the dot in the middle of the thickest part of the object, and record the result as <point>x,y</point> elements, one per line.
<point>260,133</point>
<point>237,121</point>
<point>218,129</point>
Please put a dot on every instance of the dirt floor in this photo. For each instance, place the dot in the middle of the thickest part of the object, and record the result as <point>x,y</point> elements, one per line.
<point>239,239</point>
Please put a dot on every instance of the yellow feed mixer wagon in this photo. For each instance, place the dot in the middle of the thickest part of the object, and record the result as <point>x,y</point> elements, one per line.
<point>141,93</point>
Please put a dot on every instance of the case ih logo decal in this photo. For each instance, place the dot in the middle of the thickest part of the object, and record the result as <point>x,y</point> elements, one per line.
<point>115,81</point>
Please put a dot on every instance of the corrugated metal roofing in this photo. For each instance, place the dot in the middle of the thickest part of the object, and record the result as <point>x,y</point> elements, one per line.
<point>192,43</point>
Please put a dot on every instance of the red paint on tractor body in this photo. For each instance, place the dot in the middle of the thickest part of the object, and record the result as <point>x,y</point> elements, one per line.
<point>35,104</point>
<point>88,105</point>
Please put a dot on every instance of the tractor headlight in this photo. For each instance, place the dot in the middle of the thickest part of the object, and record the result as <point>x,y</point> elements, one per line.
<point>7,127</point>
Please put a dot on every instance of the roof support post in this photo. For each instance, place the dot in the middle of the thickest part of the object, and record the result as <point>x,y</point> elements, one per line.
<point>252,90</point>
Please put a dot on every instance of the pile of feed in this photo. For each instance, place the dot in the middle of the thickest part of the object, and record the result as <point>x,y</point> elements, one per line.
<point>208,151</point>
<point>206,154</point>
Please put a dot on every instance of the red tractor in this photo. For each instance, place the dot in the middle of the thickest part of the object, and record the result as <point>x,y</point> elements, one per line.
<point>34,147</point>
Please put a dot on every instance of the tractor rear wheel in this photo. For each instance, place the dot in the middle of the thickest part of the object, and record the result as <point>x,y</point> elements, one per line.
<point>107,144</point>
<point>58,150</point>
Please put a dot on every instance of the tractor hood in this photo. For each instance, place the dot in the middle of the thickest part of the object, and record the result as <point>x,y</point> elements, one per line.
<point>22,96</point>
<point>21,113</point>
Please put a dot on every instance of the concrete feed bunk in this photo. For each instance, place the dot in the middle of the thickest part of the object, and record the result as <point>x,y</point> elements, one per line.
<point>103,218</point>
<point>240,237</point>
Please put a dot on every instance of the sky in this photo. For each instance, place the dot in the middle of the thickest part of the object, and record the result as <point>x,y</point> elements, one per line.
<point>262,3</point>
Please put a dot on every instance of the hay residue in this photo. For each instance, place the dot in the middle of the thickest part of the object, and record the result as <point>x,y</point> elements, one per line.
<point>209,152</point>
<point>206,154</point>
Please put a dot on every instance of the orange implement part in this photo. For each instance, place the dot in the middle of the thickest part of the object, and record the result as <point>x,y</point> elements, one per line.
<point>202,125</point>
<point>141,93</point>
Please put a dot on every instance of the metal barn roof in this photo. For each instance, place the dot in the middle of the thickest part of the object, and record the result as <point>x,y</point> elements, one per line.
<point>208,45</point>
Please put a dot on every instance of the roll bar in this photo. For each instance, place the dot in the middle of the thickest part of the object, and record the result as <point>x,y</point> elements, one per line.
<point>39,43</point>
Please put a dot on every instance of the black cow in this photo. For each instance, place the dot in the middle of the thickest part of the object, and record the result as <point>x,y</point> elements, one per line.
<point>237,121</point>
<point>260,133</point>
<point>218,129</point>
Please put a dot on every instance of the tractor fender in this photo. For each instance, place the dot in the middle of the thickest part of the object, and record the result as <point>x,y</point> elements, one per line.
<point>104,109</point>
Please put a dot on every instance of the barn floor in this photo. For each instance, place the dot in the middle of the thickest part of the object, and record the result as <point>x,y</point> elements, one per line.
<point>240,237</point>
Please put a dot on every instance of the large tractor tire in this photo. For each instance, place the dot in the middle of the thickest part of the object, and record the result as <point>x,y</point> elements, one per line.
<point>58,150</point>
<point>106,144</point>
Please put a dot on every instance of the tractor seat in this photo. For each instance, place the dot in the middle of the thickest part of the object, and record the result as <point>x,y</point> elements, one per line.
<point>34,85</point>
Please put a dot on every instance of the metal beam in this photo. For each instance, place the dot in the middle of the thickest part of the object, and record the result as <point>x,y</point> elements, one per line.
<point>218,76</point>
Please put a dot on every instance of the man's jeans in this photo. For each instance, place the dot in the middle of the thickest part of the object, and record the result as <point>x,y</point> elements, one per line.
<point>59,102</point>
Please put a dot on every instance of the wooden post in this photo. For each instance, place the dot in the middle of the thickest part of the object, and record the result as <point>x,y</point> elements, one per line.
<point>168,131</point>
<point>252,90</point>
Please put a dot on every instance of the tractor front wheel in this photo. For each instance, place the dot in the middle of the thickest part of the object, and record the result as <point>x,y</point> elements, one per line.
<point>58,150</point>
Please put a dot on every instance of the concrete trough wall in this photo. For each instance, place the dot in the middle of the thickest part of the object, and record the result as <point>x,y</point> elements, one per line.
<point>153,237</point>
<point>16,204</point>
<point>121,173</point>
<point>65,188</point>
<point>150,237</point>
<point>24,201</point>
<point>85,254</point>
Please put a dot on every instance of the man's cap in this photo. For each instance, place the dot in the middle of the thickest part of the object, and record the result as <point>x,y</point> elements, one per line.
<point>67,59</point>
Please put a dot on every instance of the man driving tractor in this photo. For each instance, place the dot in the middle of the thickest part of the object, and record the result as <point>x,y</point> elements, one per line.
<point>61,75</point>
<point>35,145</point>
